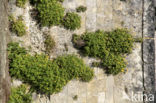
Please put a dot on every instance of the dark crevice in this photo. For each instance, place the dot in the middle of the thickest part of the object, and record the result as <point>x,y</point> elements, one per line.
<point>142,48</point>
<point>142,45</point>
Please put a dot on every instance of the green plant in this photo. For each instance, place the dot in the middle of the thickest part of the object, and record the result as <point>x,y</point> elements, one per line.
<point>138,39</point>
<point>61,1</point>
<point>73,67</point>
<point>20,95</point>
<point>75,38</point>
<point>120,41</point>
<point>114,64</point>
<point>14,49</point>
<point>44,75</point>
<point>96,64</point>
<point>21,3</point>
<point>72,21</point>
<point>17,26</point>
<point>50,12</point>
<point>49,43</point>
<point>11,18</point>
<point>35,2</point>
<point>75,97</point>
<point>95,44</point>
<point>107,46</point>
<point>81,9</point>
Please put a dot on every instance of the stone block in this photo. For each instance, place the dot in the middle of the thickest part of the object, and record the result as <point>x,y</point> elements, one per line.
<point>148,51</point>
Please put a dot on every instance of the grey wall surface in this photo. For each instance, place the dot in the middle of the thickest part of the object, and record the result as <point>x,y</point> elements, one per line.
<point>149,47</point>
<point>4,76</point>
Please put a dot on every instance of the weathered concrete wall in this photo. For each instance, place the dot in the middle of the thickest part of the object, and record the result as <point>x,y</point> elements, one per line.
<point>136,15</point>
<point>4,76</point>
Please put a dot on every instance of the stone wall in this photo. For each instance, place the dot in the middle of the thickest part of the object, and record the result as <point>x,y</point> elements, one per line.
<point>149,47</point>
<point>136,15</point>
<point>4,76</point>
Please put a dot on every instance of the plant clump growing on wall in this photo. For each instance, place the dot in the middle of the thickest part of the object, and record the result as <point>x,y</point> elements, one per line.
<point>74,67</point>
<point>119,41</point>
<point>45,75</point>
<point>61,1</point>
<point>95,44</point>
<point>21,3</point>
<point>72,21</point>
<point>114,64</point>
<point>35,2</point>
<point>108,46</point>
<point>20,95</point>
<point>81,9</point>
<point>50,12</point>
<point>49,43</point>
<point>17,25</point>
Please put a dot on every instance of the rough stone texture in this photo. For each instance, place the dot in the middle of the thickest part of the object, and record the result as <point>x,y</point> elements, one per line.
<point>34,38</point>
<point>105,15</point>
<point>4,75</point>
<point>149,48</point>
